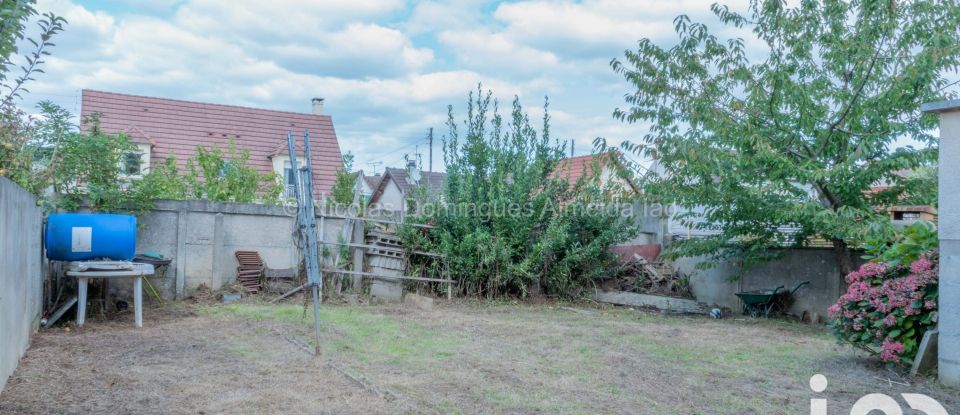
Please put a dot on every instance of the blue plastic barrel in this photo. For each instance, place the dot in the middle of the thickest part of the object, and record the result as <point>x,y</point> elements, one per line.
<point>85,236</point>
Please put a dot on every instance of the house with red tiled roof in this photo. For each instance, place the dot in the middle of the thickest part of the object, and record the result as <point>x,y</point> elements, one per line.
<point>162,127</point>
<point>602,167</point>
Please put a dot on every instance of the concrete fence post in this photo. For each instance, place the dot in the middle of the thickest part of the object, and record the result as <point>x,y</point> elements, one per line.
<point>949,231</point>
<point>358,254</point>
<point>181,252</point>
<point>218,252</point>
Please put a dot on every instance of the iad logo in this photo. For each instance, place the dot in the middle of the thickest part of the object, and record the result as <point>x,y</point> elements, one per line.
<point>876,402</point>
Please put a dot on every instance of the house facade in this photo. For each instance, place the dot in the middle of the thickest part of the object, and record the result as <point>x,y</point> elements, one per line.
<point>162,127</point>
<point>397,188</point>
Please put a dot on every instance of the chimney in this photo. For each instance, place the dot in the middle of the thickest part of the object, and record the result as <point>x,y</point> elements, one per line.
<point>413,173</point>
<point>317,106</point>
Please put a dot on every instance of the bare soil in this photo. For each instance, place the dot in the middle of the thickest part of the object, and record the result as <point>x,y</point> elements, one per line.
<point>461,357</point>
<point>179,363</point>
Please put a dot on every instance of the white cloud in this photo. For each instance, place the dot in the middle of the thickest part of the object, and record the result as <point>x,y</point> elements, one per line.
<point>435,16</point>
<point>495,51</point>
<point>602,28</point>
<point>357,51</point>
<point>388,73</point>
<point>576,29</point>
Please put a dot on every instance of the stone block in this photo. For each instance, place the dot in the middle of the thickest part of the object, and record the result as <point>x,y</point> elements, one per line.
<point>418,301</point>
<point>386,291</point>
<point>926,360</point>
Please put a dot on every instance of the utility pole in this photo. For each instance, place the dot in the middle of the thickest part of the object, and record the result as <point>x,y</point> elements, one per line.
<point>571,148</point>
<point>430,140</point>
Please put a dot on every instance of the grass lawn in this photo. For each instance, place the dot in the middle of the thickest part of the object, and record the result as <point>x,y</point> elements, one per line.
<point>461,357</point>
<point>502,357</point>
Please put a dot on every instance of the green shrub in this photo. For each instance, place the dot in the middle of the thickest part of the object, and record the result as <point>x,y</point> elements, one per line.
<point>227,177</point>
<point>892,300</point>
<point>506,226</point>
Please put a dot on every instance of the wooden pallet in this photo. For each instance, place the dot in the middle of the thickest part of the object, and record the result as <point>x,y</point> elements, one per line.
<point>250,271</point>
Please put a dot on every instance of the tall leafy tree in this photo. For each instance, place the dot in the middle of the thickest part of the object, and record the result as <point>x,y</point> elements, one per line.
<point>796,137</point>
<point>18,150</point>
<point>506,223</point>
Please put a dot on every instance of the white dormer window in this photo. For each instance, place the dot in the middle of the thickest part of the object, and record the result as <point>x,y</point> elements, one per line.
<point>282,167</point>
<point>136,163</point>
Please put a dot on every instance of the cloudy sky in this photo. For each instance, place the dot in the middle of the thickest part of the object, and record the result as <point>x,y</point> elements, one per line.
<point>387,68</point>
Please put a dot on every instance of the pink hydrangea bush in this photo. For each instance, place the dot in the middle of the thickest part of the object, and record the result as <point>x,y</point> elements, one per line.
<point>887,308</point>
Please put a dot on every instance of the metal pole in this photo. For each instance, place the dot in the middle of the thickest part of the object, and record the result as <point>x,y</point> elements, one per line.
<point>316,318</point>
<point>317,285</point>
<point>306,218</point>
<point>430,137</point>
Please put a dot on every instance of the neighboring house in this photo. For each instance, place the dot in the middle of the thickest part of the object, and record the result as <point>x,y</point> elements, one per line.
<point>163,127</point>
<point>397,187</point>
<point>899,214</point>
<point>912,213</point>
<point>603,167</point>
<point>368,184</point>
<point>904,214</point>
<point>365,185</point>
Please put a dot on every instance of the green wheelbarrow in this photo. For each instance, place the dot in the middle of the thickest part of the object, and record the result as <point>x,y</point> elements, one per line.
<point>762,302</point>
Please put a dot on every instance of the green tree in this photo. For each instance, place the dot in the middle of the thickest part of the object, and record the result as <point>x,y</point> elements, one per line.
<point>89,171</point>
<point>506,224</point>
<point>345,184</point>
<point>796,137</point>
<point>17,149</point>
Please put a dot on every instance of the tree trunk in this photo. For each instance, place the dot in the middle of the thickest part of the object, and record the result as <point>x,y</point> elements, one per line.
<point>842,252</point>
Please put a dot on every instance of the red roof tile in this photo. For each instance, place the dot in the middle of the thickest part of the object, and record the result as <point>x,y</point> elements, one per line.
<point>573,168</point>
<point>175,127</point>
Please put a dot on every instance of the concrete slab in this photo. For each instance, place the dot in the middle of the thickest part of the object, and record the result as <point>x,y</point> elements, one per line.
<point>677,305</point>
<point>386,291</point>
<point>418,301</point>
<point>926,360</point>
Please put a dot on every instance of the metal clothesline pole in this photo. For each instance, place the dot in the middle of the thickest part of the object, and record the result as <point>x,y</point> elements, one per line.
<point>306,219</point>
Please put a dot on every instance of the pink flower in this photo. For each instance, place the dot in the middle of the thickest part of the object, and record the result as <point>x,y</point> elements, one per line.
<point>930,305</point>
<point>922,265</point>
<point>872,269</point>
<point>890,320</point>
<point>890,350</point>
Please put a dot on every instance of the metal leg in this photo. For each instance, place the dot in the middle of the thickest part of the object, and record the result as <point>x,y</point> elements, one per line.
<point>138,301</point>
<point>82,304</point>
<point>316,317</point>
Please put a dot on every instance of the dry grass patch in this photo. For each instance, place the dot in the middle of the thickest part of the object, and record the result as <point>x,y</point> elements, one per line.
<point>464,357</point>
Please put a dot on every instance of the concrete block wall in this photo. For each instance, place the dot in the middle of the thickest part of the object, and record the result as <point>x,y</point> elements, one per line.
<point>21,275</point>
<point>202,236</point>
<point>817,265</point>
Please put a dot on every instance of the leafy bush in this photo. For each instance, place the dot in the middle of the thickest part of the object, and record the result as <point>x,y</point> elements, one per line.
<point>19,147</point>
<point>88,172</point>
<point>505,224</point>
<point>892,301</point>
<point>213,175</point>
<point>345,185</point>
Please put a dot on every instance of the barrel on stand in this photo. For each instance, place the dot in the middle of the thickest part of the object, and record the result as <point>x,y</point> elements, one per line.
<point>87,236</point>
